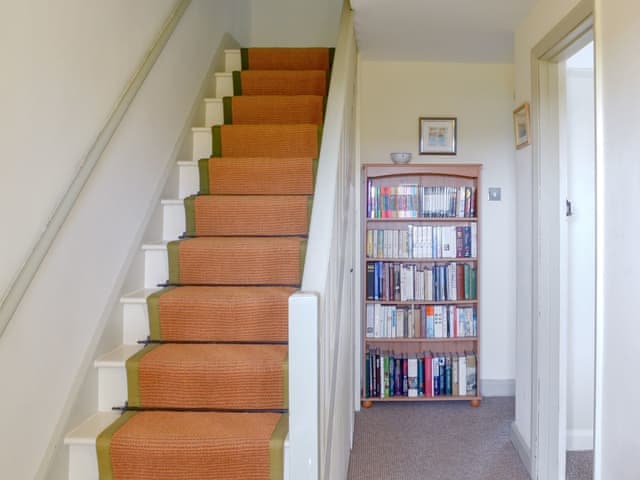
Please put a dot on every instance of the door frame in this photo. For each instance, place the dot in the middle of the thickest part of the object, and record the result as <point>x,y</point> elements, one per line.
<point>549,240</point>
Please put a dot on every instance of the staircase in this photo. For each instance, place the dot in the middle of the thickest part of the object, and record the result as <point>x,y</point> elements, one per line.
<point>207,395</point>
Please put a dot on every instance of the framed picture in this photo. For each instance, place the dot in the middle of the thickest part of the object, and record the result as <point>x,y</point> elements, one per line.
<point>438,136</point>
<point>521,126</point>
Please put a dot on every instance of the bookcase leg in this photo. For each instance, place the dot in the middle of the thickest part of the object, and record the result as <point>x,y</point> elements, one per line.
<point>367,404</point>
<point>474,403</point>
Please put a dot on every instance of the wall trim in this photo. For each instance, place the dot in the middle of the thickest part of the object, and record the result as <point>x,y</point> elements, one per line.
<point>498,388</point>
<point>524,452</point>
<point>579,439</point>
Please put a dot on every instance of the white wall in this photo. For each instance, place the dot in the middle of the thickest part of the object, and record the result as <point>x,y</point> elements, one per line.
<point>62,86</point>
<point>580,139</point>
<point>392,97</point>
<point>617,103</point>
<point>53,54</point>
<point>544,15</point>
<point>297,23</point>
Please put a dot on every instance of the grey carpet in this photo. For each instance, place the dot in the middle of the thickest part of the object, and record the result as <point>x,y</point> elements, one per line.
<point>580,465</point>
<point>436,441</point>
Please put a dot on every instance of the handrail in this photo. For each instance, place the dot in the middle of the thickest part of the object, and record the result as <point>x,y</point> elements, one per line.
<point>30,267</point>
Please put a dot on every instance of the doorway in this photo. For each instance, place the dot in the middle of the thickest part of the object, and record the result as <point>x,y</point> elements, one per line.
<point>564,248</point>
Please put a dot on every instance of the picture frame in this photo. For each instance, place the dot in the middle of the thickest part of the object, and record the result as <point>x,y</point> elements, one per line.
<point>438,136</point>
<point>522,126</point>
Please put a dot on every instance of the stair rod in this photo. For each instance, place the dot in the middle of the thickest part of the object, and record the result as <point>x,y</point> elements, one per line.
<point>30,267</point>
<point>127,408</point>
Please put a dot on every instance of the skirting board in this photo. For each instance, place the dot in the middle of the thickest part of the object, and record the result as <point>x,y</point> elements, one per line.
<point>579,439</point>
<point>524,452</point>
<point>498,388</point>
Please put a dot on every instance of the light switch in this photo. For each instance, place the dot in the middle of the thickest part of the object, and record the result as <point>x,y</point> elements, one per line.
<point>495,194</point>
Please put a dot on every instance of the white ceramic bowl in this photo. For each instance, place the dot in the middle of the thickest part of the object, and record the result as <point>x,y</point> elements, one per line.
<point>400,157</point>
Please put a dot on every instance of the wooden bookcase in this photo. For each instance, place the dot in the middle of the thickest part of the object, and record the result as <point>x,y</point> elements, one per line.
<point>420,282</point>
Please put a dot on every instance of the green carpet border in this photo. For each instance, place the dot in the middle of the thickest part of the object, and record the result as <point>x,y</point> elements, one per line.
<point>190,215</point>
<point>237,83</point>
<point>227,108</point>
<point>173,254</point>
<point>216,141</point>
<point>244,58</point>
<point>133,375</point>
<point>203,173</point>
<point>276,448</point>
<point>103,445</point>
<point>153,308</point>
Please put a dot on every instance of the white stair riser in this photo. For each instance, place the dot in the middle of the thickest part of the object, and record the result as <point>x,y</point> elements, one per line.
<point>173,221</point>
<point>156,268</point>
<point>224,85</point>
<point>189,180</point>
<point>112,387</point>
<point>201,143</point>
<point>213,112</point>
<point>83,462</point>
<point>135,323</point>
<point>232,60</point>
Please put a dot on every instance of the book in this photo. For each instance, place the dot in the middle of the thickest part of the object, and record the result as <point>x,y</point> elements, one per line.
<point>412,377</point>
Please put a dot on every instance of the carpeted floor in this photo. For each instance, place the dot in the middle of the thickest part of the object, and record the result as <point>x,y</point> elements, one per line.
<point>580,465</point>
<point>436,441</point>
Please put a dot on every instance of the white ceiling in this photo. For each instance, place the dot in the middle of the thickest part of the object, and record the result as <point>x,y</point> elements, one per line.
<point>476,31</point>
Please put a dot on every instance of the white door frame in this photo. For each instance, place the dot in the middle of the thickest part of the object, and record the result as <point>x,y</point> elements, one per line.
<point>549,330</point>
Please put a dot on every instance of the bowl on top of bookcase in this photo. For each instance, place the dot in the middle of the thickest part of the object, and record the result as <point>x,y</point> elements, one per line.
<point>400,157</point>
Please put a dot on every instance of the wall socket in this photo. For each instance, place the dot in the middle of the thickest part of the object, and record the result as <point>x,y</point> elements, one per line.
<point>495,194</point>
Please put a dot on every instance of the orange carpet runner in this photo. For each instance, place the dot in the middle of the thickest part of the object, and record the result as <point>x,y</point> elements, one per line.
<point>208,394</point>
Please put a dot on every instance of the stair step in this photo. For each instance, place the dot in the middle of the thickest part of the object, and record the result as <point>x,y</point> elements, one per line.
<point>208,376</point>
<point>233,445</point>
<point>213,112</point>
<point>201,138</point>
<point>173,219</point>
<point>277,176</point>
<point>188,178</point>
<point>223,84</point>
<point>112,377</point>
<point>211,215</point>
<point>237,261</point>
<point>232,59</point>
<point>278,82</point>
<point>279,141</point>
<point>156,267</point>
<point>287,58</point>
<point>135,316</point>
<point>83,464</point>
<point>273,109</point>
<point>220,313</point>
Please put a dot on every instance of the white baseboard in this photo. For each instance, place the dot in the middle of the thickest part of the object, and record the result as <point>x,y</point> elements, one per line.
<point>497,388</point>
<point>524,451</point>
<point>579,439</point>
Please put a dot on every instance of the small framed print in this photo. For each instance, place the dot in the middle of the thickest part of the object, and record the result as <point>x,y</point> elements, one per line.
<point>438,136</point>
<point>521,126</point>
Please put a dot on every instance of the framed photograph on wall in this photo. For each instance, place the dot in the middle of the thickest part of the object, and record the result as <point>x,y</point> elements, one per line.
<point>438,136</point>
<point>521,126</point>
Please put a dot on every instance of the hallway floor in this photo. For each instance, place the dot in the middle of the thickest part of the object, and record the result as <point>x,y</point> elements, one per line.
<point>436,441</point>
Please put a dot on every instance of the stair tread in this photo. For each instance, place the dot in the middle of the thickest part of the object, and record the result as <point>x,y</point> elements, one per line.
<point>138,296</point>
<point>87,432</point>
<point>118,356</point>
<point>161,245</point>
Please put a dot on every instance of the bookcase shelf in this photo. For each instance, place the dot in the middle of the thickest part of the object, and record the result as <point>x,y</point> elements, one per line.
<point>420,213</point>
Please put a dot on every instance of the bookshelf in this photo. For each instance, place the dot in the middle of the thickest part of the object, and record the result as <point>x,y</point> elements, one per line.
<point>420,264</point>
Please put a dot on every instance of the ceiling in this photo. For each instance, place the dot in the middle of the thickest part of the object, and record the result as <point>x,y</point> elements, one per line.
<point>475,31</point>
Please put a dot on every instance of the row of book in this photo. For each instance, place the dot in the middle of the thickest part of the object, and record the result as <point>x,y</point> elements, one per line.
<point>424,241</point>
<point>427,374</point>
<point>416,201</point>
<point>405,282</point>
<point>426,321</point>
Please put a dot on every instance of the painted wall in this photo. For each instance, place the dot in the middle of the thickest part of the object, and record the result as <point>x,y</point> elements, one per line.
<point>392,97</point>
<point>618,173</point>
<point>580,111</point>
<point>544,15</point>
<point>300,23</point>
<point>66,66</point>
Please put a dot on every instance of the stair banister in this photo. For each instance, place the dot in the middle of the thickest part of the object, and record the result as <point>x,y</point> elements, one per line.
<point>9,304</point>
<point>321,327</point>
